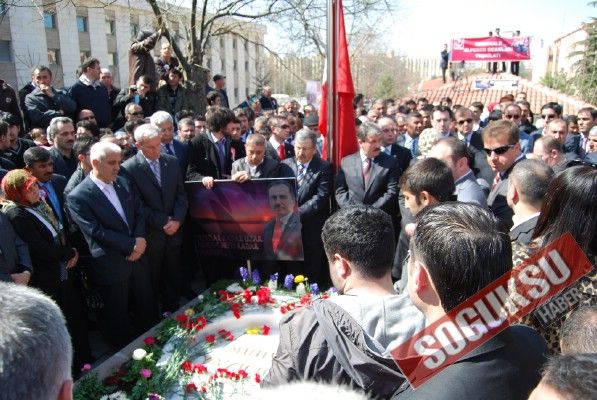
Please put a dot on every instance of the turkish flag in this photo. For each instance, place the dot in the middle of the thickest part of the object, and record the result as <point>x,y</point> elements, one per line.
<point>343,133</point>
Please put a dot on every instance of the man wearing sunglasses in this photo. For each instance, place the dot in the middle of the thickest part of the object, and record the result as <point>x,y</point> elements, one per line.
<point>501,143</point>
<point>549,112</point>
<point>513,113</point>
<point>277,147</point>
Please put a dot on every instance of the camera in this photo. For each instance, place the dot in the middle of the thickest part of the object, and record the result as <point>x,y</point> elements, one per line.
<point>133,88</point>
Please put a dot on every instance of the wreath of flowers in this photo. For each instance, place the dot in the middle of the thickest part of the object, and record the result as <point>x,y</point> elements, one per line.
<point>143,378</point>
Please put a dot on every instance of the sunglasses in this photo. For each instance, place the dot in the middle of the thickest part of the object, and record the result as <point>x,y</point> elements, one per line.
<point>462,121</point>
<point>284,126</point>
<point>512,116</point>
<point>548,116</point>
<point>499,150</point>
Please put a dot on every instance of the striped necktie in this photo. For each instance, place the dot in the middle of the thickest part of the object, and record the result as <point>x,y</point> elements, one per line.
<point>300,177</point>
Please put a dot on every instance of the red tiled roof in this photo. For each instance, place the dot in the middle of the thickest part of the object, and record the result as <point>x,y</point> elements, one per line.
<point>464,92</point>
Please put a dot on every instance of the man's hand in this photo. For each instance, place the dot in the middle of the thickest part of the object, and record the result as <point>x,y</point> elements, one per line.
<point>73,261</point>
<point>241,176</point>
<point>138,250</point>
<point>208,182</point>
<point>171,227</point>
<point>21,278</point>
<point>47,90</point>
<point>409,229</point>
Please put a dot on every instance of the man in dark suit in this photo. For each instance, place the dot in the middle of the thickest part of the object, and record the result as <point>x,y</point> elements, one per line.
<point>410,140</point>
<point>464,126</point>
<point>15,261</point>
<point>110,215</point>
<point>62,133</point>
<point>503,152</point>
<point>527,187</point>
<point>163,121</point>
<point>368,177</point>
<point>39,162</point>
<point>314,181</point>
<point>390,147</point>
<point>277,147</point>
<point>158,181</point>
<point>282,235</point>
<point>255,164</point>
<point>507,365</point>
<point>209,152</point>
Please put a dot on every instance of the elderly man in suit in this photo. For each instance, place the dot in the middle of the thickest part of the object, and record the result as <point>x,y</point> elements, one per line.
<point>314,180</point>
<point>527,187</point>
<point>111,217</point>
<point>282,235</point>
<point>369,176</point>
<point>179,150</point>
<point>158,181</point>
<point>255,164</point>
<point>39,162</point>
<point>389,131</point>
<point>502,146</point>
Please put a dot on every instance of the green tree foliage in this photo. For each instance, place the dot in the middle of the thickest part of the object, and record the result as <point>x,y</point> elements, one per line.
<point>585,77</point>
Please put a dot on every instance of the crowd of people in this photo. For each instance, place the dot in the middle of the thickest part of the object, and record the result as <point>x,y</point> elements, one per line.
<point>438,201</point>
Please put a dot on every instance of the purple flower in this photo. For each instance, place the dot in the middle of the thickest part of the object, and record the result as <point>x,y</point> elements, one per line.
<point>274,277</point>
<point>154,396</point>
<point>244,273</point>
<point>256,277</point>
<point>289,281</point>
<point>332,290</point>
<point>315,289</point>
<point>146,373</point>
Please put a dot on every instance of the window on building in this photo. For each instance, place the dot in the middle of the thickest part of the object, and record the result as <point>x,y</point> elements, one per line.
<point>112,59</point>
<point>5,53</point>
<point>247,92</point>
<point>110,27</point>
<point>49,20</point>
<point>246,44</point>
<point>234,43</point>
<point>134,29</point>
<point>235,65</point>
<point>236,92</point>
<point>84,55</point>
<point>209,63</point>
<point>53,56</point>
<point>223,64</point>
<point>246,65</point>
<point>221,42</point>
<point>81,23</point>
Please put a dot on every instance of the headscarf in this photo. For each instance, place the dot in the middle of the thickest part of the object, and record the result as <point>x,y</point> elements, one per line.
<point>427,139</point>
<point>15,185</point>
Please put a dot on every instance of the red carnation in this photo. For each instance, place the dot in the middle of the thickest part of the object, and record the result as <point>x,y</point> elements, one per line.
<point>257,378</point>
<point>149,340</point>
<point>190,387</point>
<point>265,330</point>
<point>211,339</point>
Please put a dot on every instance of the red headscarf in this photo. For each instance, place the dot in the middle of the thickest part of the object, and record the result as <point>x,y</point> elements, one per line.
<point>16,184</point>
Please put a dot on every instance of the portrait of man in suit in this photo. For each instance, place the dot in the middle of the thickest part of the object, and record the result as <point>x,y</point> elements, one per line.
<point>111,217</point>
<point>282,235</point>
<point>158,180</point>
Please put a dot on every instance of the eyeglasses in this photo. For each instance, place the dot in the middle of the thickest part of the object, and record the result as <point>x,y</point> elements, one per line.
<point>462,121</point>
<point>499,150</point>
<point>512,116</point>
<point>137,114</point>
<point>284,126</point>
<point>548,116</point>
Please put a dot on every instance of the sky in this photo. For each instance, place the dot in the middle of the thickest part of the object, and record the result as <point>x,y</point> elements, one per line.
<point>418,28</point>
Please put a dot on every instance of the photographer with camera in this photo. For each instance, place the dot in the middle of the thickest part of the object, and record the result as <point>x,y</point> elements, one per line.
<point>141,93</point>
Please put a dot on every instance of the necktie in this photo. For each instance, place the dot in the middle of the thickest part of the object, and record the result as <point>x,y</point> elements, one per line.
<point>366,171</point>
<point>300,177</point>
<point>155,168</point>
<point>413,147</point>
<point>277,235</point>
<point>52,200</point>
<point>281,153</point>
<point>169,149</point>
<point>221,144</point>
<point>496,180</point>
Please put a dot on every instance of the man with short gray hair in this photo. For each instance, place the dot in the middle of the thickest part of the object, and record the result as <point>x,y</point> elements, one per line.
<point>527,186</point>
<point>255,164</point>
<point>61,133</point>
<point>35,350</point>
<point>111,217</point>
<point>314,186</point>
<point>164,122</point>
<point>369,176</point>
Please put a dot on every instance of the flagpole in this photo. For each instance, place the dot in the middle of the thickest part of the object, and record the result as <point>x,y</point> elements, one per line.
<point>331,49</point>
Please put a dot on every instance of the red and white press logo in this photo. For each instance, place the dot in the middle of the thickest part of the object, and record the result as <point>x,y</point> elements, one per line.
<point>500,304</point>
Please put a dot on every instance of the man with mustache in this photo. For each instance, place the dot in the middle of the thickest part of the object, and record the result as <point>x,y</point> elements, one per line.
<point>62,134</point>
<point>282,235</point>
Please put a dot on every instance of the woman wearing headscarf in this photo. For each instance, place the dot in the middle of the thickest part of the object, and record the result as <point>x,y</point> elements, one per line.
<point>34,221</point>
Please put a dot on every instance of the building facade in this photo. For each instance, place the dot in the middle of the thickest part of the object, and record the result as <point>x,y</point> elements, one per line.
<point>62,34</point>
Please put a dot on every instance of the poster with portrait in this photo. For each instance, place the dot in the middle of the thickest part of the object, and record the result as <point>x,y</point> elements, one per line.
<point>254,220</point>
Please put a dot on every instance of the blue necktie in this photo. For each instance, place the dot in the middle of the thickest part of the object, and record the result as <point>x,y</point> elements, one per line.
<point>413,147</point>
<point>53,198</point>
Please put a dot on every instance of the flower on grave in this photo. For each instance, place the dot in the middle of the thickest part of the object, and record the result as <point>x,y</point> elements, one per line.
<point>256,277</point>
<point>189,312</point>
<point>257,378</point>
<point>210,339</point>
<point>139,354</point>
<point>154,396</point>
<point>288,281</point>
<point>244,273</point>
<point>300,289</point>
<point>86,368</point>
<point>145,373</point>
<point>265,330</point>
<point>190,388</point>
<point>332,291</point>
<point>200,298</point>
<point>315,289</point>
<point>299,279</point>
<point>149,340</point>
<point>264,296</point>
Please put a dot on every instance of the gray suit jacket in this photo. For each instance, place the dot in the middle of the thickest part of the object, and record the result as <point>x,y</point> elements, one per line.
<point>499,205</point>
<point>269,168</point>
<point>381,192</point>
<point>159,202</point>
<point>14,250</point>
<point>469,191</point>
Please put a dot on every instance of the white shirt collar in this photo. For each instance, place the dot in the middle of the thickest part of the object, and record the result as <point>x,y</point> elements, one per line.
<point>101,184</point>
<point>524,220</point>
<point>87,82</point>
<point>274,142</point>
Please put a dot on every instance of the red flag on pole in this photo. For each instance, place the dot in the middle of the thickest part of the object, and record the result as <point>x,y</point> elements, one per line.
<point>341,115</point>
